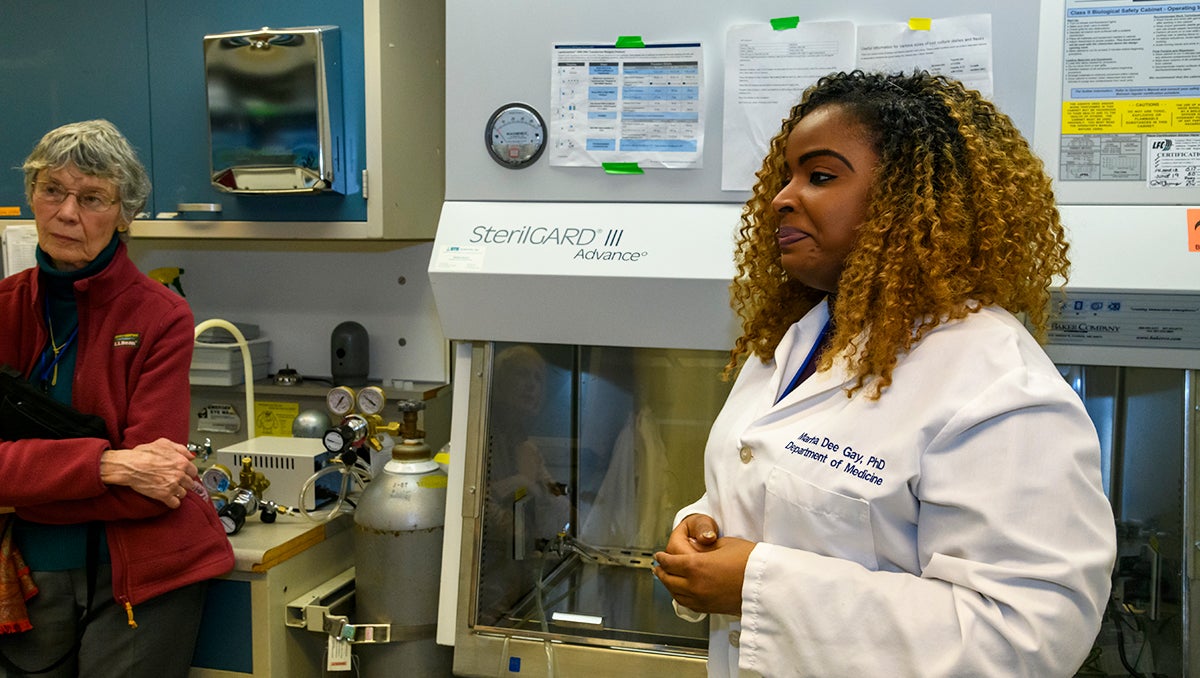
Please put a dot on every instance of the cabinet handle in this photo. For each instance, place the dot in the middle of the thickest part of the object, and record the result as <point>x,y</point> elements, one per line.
<point>198,207</point>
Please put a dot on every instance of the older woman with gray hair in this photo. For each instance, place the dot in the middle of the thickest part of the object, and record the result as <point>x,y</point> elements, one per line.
<point>117,533</point>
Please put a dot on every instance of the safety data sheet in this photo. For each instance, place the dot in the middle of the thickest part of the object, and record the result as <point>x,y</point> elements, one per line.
<point>1131,93</point>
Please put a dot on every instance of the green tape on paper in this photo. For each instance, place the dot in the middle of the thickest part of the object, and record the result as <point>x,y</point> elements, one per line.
<point>622,168</point>
<point>784,23</point>
<point>626,41</point>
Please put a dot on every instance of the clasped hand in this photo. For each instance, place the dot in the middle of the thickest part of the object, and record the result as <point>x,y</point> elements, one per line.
<point>702,571</point>
<point>161,470</point>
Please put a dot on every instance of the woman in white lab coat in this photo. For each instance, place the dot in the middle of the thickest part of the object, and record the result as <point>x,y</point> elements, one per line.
<point>900,483</point>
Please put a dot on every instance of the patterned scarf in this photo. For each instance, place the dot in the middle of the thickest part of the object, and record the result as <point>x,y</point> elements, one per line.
<point>16,586</point>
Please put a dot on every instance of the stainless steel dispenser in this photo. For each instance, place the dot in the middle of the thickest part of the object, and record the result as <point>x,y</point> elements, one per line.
<point>275,110</point>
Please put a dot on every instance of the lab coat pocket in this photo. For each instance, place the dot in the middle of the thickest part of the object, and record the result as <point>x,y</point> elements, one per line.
<point>803,516</point>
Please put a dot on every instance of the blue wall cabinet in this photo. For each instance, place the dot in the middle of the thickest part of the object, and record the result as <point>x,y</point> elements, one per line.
<point>140,64</point>
<point>75,70</point>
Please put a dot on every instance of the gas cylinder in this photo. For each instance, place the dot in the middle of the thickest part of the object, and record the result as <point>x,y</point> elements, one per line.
<point>398,528</point>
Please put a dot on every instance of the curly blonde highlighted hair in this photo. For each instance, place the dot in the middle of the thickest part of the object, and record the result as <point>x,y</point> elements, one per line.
<point>961,215</point>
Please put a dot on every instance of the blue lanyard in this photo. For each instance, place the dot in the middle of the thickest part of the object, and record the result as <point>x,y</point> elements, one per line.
<point>47,366</point>
<point>812,354</point>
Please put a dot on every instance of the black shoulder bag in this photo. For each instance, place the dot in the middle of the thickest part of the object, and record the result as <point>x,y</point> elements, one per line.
<point>26,412</point>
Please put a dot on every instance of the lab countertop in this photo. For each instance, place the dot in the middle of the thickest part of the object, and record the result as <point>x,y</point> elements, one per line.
<point>260,546</point>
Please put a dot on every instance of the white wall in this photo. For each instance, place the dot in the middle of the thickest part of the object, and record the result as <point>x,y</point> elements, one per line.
<point>297,292</point>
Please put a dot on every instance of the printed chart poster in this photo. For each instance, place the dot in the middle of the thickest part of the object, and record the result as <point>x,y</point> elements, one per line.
<point>1131,92</point>
<point>641,105</point>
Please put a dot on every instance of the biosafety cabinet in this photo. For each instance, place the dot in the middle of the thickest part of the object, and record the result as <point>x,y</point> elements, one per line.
<point>1127,335</point>
<point>1127,338</point>
<point>578,432</point>
<point>1146,417</point>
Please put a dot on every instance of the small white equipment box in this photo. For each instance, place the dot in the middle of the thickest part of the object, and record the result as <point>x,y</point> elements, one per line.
<point>288,463</point>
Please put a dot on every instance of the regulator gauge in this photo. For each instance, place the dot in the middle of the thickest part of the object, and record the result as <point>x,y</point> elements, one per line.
<point>515,135</point>
<point>336,440</point>
<point>216,478</point>
<point>340,400</point>
<point>371,400</point>
<point>350,432</point>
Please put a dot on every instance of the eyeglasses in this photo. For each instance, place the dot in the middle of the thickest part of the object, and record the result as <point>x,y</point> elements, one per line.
<point>55,194</point>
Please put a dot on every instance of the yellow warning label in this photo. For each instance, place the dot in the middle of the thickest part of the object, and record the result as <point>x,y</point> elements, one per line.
<point>274,419</point>
<point>10,211</point>
<point>1152,116</point>
<point>434,481</point>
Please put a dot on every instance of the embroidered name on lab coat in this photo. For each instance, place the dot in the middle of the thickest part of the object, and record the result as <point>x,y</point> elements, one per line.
<point>844,458</point>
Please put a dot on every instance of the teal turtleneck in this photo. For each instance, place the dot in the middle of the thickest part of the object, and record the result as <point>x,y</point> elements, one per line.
<point>53,372</point>
<point>59,547</point>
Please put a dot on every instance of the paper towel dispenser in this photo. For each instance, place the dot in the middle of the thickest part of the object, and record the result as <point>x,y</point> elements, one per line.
<point>275,110</point>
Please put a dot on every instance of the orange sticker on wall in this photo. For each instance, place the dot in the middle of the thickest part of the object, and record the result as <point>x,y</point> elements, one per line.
<point>1193,227</point>
<point>10,211</point>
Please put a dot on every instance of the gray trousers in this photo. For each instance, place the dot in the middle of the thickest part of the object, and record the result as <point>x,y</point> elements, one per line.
<point>160,647</point>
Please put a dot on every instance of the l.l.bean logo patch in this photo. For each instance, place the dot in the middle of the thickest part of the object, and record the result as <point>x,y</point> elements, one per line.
<point>131,339</point>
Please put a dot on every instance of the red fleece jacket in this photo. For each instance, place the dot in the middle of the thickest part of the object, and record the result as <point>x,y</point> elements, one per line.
<point>134,352</point>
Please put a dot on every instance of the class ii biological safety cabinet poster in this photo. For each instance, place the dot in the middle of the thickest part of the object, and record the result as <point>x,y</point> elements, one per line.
<point>1131,94</point>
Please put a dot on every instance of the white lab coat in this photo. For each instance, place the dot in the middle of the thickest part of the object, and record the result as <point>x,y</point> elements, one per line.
<point>954,527</point>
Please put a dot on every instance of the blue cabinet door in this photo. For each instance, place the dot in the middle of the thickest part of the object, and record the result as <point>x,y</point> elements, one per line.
<point>178,109</point>
<point>66,61</point>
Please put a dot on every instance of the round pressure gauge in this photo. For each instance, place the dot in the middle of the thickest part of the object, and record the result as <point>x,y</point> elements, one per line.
<point>515,135</point>
<point>353,430</point>
<point>232,517</point>
<point>233,514</point>
<point>217,479</point>
<point>371,400</point>
<point>340,400</point>
<point>337,439</point>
